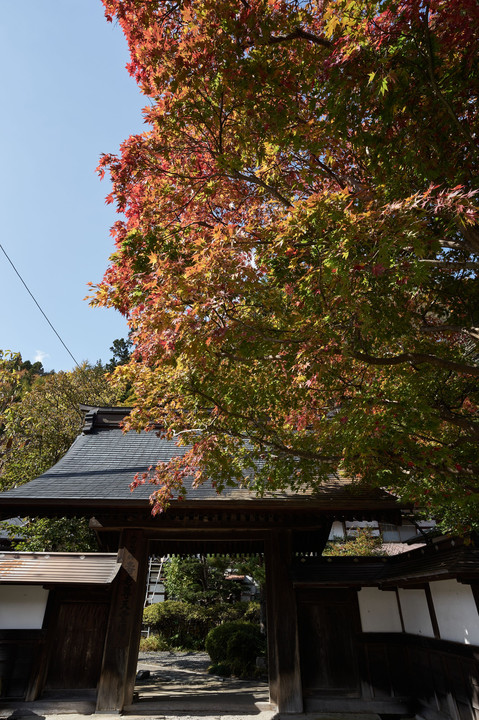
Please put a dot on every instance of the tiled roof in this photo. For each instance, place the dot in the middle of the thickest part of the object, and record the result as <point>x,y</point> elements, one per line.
<point>447,557</point>
<point>100,465</point>
<point>14,522</point>
<point>103,460</point>
<point>398,548</point>
<point>65,568</point>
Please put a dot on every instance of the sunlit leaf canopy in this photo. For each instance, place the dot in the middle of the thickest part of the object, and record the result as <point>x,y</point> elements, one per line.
<point>297,248</point>
<point>40,417</point>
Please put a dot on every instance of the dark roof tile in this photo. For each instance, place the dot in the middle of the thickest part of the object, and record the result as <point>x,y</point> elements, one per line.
<point>103,461</point>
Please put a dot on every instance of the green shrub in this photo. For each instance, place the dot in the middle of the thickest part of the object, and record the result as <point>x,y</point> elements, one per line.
<point>153,643</point>
<point>221,669</point>
<point>216,640</point>
<point>243,647</point>
<point>178,622</point>
<point>252,612</point>
<point>186,625</point>
<point>365,543</point>
<point>235,646</point>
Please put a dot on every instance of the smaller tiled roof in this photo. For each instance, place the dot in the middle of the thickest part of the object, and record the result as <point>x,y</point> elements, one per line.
<point>398,548</point>
<point>445,558</point>
<point>58,568</point>
<point>14,522</point>
<point>448,558</point>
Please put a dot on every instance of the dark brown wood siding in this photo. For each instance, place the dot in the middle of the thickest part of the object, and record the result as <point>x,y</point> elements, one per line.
<point>440,678</point>
<point>345,670</point>
<point>76,639</point>
<point>328,625</point>
<point>19,651</point>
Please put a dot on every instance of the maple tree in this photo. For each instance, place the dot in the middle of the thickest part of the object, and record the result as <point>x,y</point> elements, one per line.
<point>298,248</point>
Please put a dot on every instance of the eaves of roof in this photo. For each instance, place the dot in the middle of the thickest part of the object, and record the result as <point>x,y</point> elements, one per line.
<point>58,568</point>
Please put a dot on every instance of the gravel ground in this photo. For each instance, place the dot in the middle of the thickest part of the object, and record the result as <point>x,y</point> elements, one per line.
<point>177,686</point>
<point>174,666</point>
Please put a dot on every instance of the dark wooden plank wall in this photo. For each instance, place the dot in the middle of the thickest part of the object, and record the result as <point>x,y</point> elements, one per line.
<point>74,630</point>
<point>328,623</point>
<point>19,651</point>
<point>76,657</point>
<point>345,670</point>
<point>441,678</point>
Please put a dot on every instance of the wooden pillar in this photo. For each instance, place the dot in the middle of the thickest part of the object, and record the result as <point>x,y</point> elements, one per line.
<point>117,680</point>
<point>270,623</point>
<point>283,643</point>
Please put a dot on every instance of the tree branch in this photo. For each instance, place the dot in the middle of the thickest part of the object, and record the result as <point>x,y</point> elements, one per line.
<point>418,359</point>
<point>471,235</point>
<point>461,422</point>
<point>454,265</point>
<point>252,178</point>
<point>265,431</point>
<point>472,331</point>
<point>330,172</point>
<point>301,34</point>
<point>438,92</point>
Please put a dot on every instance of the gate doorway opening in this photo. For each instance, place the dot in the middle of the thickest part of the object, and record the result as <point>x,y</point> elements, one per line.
<point>197,592</point>
<point>179,682</point>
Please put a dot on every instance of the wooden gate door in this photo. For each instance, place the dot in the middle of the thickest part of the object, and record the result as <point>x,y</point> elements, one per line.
<point>328,623</point>
<point>77,642</point>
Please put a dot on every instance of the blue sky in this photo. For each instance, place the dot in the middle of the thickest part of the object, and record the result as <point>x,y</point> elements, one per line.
<point>66,98</point>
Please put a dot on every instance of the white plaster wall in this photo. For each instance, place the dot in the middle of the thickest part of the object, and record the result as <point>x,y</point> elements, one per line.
<point>407,532</point>
<point>353,526</point>
<point>456,611</point>
<point>22,607</point>
<point>415,612</point>
<point>337,530</point>
<point>390,533</point>
<point>379,610</point>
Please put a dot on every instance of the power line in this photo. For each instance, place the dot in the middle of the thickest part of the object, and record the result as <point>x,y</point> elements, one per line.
<point>82,370</point>
<point>38,305</point>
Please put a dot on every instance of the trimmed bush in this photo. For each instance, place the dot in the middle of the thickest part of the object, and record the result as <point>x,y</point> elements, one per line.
<point>242,649</point>
<point>221,669</point>
<point>235,646</point>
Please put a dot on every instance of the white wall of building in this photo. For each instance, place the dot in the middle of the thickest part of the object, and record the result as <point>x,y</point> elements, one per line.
<point>352,527</point>
<point>415,612</point>
<point>379,610</point>
<point>337,531</point>
<point>456,611</point>
<point>22,607</point>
